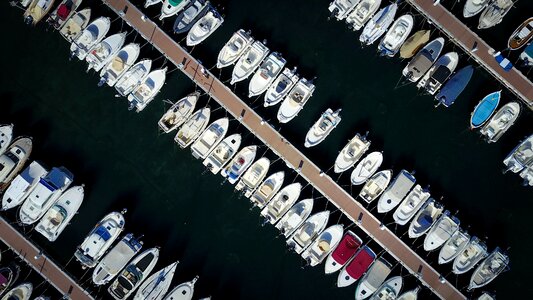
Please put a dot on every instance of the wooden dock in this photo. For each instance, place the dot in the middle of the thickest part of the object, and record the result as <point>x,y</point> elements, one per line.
<point>279,145</point>
<point>41,263</point>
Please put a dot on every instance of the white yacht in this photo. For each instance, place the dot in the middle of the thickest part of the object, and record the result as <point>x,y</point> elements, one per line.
<point>410,205</point>
<point>239,42</point>
<point>172,7</point>
<point>372,280</point>
<point>37,10</point>
<point>340,8</point>
<point>375,185</point>
<point>62,13</point>
<point>100,239</point>
<point>437,75</point>
<point>323,245</point>
<point>264,76</point>
<point>20,292</point>
<point>323,127</point>
<point>397,190</point>
<point>366,168</point>
<point>147,89</point>
<point>304,235</point>
<point>441,231</point>
<point>22,185</point>
<point>520,157</point>
<point>209,138</point>
<point>281,202</point>
<point>58,217</point>
<point>133,77</point>
<point>425,218</point>
<point>73,27</point>
<point>267,189</point>
<point>423,60</point>
<point>351,153</point>
<point>474,7</point>
<point>475,251</point>
<point>183,291</point>
<point>295,217</point>
<point>344,251</point>
<point>362,12</point>
<point>102,52</point>
<point>396,36</point>
<point>119,64</point>
<point>454,246</point>
<point>249,62</point>
<point>501,121</point>
<point>148,3</point>
<point>253,176</point>
<point>239,164</point>
<point>390,289</point>
<point>527,175</point>
<point>223,153</point>
<point>493,14</point>
<point>295,100</point>
<point>6,135</point>
<point>496,263</point>
<point>178,113</point>
<point>204,27</point>
<point>45,194</point>
<point>89,37</point>
<point>14,159</point>
<point>193,127</point>
<point>409,295</point>
<point>280,87</point>
<point>157,285</point>
<point>194,11</point>
<point>379,24</point>
<point>356,267</point>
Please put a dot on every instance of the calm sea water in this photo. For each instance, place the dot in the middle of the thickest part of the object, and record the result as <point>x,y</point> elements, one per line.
<point>197,219</point>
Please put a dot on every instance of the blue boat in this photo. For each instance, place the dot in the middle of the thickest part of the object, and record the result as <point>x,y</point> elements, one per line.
<point>455,86</point>
<point>485,109</point>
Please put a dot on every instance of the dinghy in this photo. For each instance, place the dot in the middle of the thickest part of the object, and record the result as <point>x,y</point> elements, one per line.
<point>22,185</point>
<point>295,100</point>
<point>347,248</point>
<point>249,62</point>
<point>501,121</point>
<point>148,88</point>
<point>423,60</point>
<point>253,176</point>
<point>454,246</point>
<point>396,36</point>
<point>351,153</point>
<point>133,77</point>
<point>378,25</point>
<point>281,87</point>
<point>375,186</point>
<point>357,266</point>
<point>222,153</point>
<point>73,26</point>
<point>209,138</point>
<point>239,42</point>
<point>204,27</point>
<point>267,189</point>
<point>194,126</point>
<point>323,245</point>
<point>263,77</point>
<point>455,86</point>
<point>178,113</point>
<point>366,168</point>
<point>323,127</point>
<point>281,203</point>
<point>304,235</point>
<point>89,37</point>
<point>362,12</point>
<point>425,218</point>
<point>410,205</point>
<point>119,64</point>
<point>239,164</point>
<point>484,109</point>
<point>441,231</point>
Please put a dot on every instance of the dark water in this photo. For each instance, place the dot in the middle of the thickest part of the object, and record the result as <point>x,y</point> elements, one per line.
<point>194,217</point>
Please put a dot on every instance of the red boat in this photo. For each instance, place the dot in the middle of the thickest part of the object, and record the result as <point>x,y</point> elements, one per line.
<point>349,244</point>
<point>356,267</point>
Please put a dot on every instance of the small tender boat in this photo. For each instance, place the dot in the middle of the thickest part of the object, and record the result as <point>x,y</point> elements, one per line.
<point>13,159</point>
<point>378,25</point>
<point>239,164</point>
<point>8,276</point>
<point>116,259</point>
<point>409,295</point>
<point>373,279</point>
<point>281,87</point>
<point>20,292</point>
<point>133,77</point>
<point>323,245</point>
<point>186,18</point>
<point>104,51</point>
<point>157,285</point>
<point>22,185</point>
<point>89,37</point>
<point>474,7</point>
<point>366,168</point>
<point>61,213</point>
<point>253,176</point>
<point>362,12</point>
<point>340,8</point>
<point>441,231</point>
<point>375,186</point>
<point>170,8</point>
<point>357,266</point>
<point>37,10</point>
<point>267,189</point>
<point>6,135</point>
<point>423,60</point>
<point>414,43</point>
<point>295,100</point>
<point>304,235</point>
<point>475,251</point>
<point>148,88</point>
<point>239,42</point>
<point>494,13</point>
<point>520,157</point>
<point>323,127</point>
<point>183,291</point>
<point>63,12</point>
<point>490,268</point>
<point>281,202</point>
<point>263,77</point>
<point>223,153</point>
<point>119,64</point>
<point>410,205</point>
<point>194,126</point>
<point>390,289</point>
<point>484,109</point>
<point>455,86</point>
<point>347,247</point>
<point>522,35</point>
<point>351,153</point>
<point>178,113</point>
<point>397,190</point>
<point>454,246</point>
<point>204,27</point>
<point>502,120</point>
<point>73,26</point>
<point>249,61</point>
<point>396,36</point>
<point>148,3</point>
<point>100,239</point>
<point>209,138</point>
<point>425,218</point>
<point>437,75</point>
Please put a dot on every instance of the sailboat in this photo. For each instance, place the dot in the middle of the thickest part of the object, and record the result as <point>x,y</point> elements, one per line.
<point>410,205</point>
<point>239,164</point>
<point>295,217</point>
<point>178,113</point>
<point>414,43</point>
<point>323,127</point>
<point>147,89</point>
<point>484,109</point>
<point>396,36</point>
<point>372,280</point>
<point>347,248</point>
<point>156,286</point>
<point>209,138</point>
<point>264,76</point>
<point>454,246</point>
<point>249,61</point>
<point>133,77</point>
<point>437,75</point>
<point>118,64</point>
<point>223,153</point>
<point>397,190</point>
<point>494,13</point>
<point>340,8</point>
<point>281,203</point>
<point>441,231</point>
<point>253,176</point>
<point>423,60</point>
<point>323,245</point>
<point>193,127</point>
<point>101,53</point>
<point>490,268</point>
<point>425,218</point>
<point>74,26</point>
<point>522,35</point>
<point>204,27</point>
<point>304,235</point>
<point>14,159</point>
<point>267,189</point>
<point>362,12</point>
<point>474,7</point>
<point>22,185</point>
<point>366,168</point>
<point>281,87</point>
<point>351,153</point>
<point>375,185</point>
<point>239,42</point>
<point>520,157</point>
<point>455,86</point>
<point>183,291</point>
<point>295,100</point>
<point>378,25</point>
<point>63,12</point>
<point>356,267</point>
<point>89,37</point>
<point>500,122</point>
<point>188,17</point>
<point>6,135</point>
<point>37,10</point>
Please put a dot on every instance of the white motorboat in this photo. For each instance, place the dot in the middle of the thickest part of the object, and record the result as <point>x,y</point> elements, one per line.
<point>304,235</point>
<point>437,75</point>
<point>344,251</point>
<point>239,164</point>
<point>356,267</point>
<point>14,159</point>
<point>183,291</point>
<point>133,77</point>
<point>520,157</point>
<point>172,7</point>
<point>148,88</point>
<point>239,42</point>
<point>20,292</point>
<point>340,8</point>
<point>148,3</point>
<point>193,127</point>
<point>366,168</point>
<point>425,218</point>
<point>475,251</point>
<point>223,153</point>
<point>73,27</point>
<point>409,295</point>
<point>527,175</point>
<point>157,285</point>
<point>410,205</point>
<point>280,87</point>
<point>375,185</point>
<point>441,231</point>
<point>265,75</point>
<point>209,138</point>
<point>134,274</point>
<point>267,189</point>
<point>379,24</point>
<point>474,7</point>
<point>102,52</point>
<point>281,202</point>
<point>89,37</point>
<point>323,127</point>
<point>323,245</point>
<point>63,12</point>
<point>295,217</point>
<point>397,190</point>
<point>116,259</point>
<point>423,60</point>
<point>501,121</point>
<point>362,12</point>
<point>100,239</point>
<point>22,185</point>
<point>61,213</point>
<point>396,36</point>
<point>372,280</point>
<point>249,61</point>
<point>253,176</point>
<point>204,27</point>
<point>295,100</point>
<point>454,246</point>
<point>351,153</point>
<point>390,289</point>
<point>119,64</point>
<point>194,11</point>
<point>178,113</point>
<point>493,14</point>
<point>37,10</point>
<point>490,268</point>
<point>6,135</point>
<point>45,194</point>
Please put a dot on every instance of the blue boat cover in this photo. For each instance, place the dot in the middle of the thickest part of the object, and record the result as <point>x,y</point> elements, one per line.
<point>103,233</point>
<point>484,109</point>
<point>504,62</point>
<point>455,86</point>
<point>46,184</point>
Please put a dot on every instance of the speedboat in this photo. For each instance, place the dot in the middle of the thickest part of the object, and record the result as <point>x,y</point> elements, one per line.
<point>104,51</point>
<point>474,7</point>
<point>253,176</point>
<point>414,43</point>
<point>204,27</point>
<point>281,202</point>
<point>73,26</point>
<point>362,12</point>
<point>116,259</point>
<point>13,159</point>
<point>357,266</point>
<point>494,13</point>
<point>527,175</point>
<point>37,10</point>
<point>281,87</point>
<point>295,217</point>
<point>239,164</point>
<point>347,247</point>
<point>148,3</point>
<point>323,127</point>
<point>6,135</point>
<point>8,276</point>
<point>454,246</point>
<point>396,36</point>
<point>522,35</point>
<point>178,113</point>
<point>183,291</point>
<point>378,25</point>
<point>209,138</point>
<point>409,295</point>
<point>441,231</point>
<point>20,292</point>
<point>89,37</point>
<point>249,61</point>
<point>100,239</point>
<point>397,190</point>
<point>170,8</point>
<point>147,89</point>
<point>223,153</point>
<point>340,8</point>
<point>267,189</point>
<point>323,245</point>
<point>61,213</point>
<point>133,77</point>
<point>390,289</point>
<point>490,268</point>
<point>134,274</point>
<point>239,42</point>
<point>63,12</point>
<point>186,18</point>
<point>520,157</point>
<point>22,185</point>
<point>437,75</point>
<point>373,279</point>
<point>375,185</point>
<point>295,100</point>
<point>410,205</point>
<point>351,153</point>
<point>119,64</point>
<point>157,285</point>
<point>484,109</point>
<point>455,86</point>
<point>423,60</point>
<point>268,70</point>
<point>502,120</point>
<point>304,235</point>
<point>425,218</point>
<point>194,126</point>
<point>475,251</point>
<point>366,168</point>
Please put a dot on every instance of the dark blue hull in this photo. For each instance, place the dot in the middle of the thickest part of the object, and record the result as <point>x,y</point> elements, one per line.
<point>455,86</point>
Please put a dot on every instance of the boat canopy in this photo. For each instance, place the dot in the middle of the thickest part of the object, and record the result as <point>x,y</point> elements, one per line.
<point>102,232</point>
<point>503,62</point>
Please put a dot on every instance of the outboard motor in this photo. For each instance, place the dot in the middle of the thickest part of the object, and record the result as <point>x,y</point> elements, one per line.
<point>28,20</point>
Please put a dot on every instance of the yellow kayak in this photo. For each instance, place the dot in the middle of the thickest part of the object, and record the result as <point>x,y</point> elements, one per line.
<point>414,43</point>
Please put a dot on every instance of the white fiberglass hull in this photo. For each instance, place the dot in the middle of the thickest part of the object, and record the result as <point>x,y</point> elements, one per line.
<point>119,64</point>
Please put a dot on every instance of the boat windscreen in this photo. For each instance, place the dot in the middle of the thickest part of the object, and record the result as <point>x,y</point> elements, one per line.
<point>441,74</point>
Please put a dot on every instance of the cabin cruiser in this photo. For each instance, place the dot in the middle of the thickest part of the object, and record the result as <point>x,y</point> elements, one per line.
<point>133,77</point>
<point>239,164</point>
<point>157,285</point>
<point>13,159</point>
<point>441,231</point>
<point>20,292</point>
<point>340,8</point>
<point>304,235</point>
<point>351,153</point>
<point>267,189</point>
<point>194,126</point>
<point>484,109</point>
<point>178,113</point>
<point>295,100</point>
<point>249,61</point>
<point>410,205</point>
<point>356,267</point>
<point>475,251</point>
<point>281,87</point>
<point>63,12</point>
<point>234,48</point>
<point>147,89</point>
<point>390,289</point>
<point>454,246</point>
<point>347,248</point>
<point>22,185</point>
<point>501,121</point>
<point>281,203</point>
<point>6,135</point>
<point>89,37</point>
<point>362,12</point>
<point>396,36</point>
<point>253,176</point>
<point>455,86</point>
<point>295,217</point>
<point>118,64</point>
<point>520,157</point>
<point>378,25</point>
<point>186,18</point>
<point>323,127</point>
<point>373,279</point>
<point>494,13</point>
<point>425,218</point>
<point>170,8</point>
<point>104,51</point>
<point>116,259</point>
<point>492,266</point>
<point>437,75</point>
<point>8,276</point>
<point>183,291</point>
<point>264,76</point>
<point>204,27</point>
<point>423,60</point>
<point>522,35</point>
<point>366,168</point>
<point>474,7</point>
<point>223,153</point>
<point>397,190</point>
<point>73,26</point>
<point>414,43</point>
<point>37,10</point>
<point>209,138</point>
<point>375,185</point>
<point>323,245</point>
